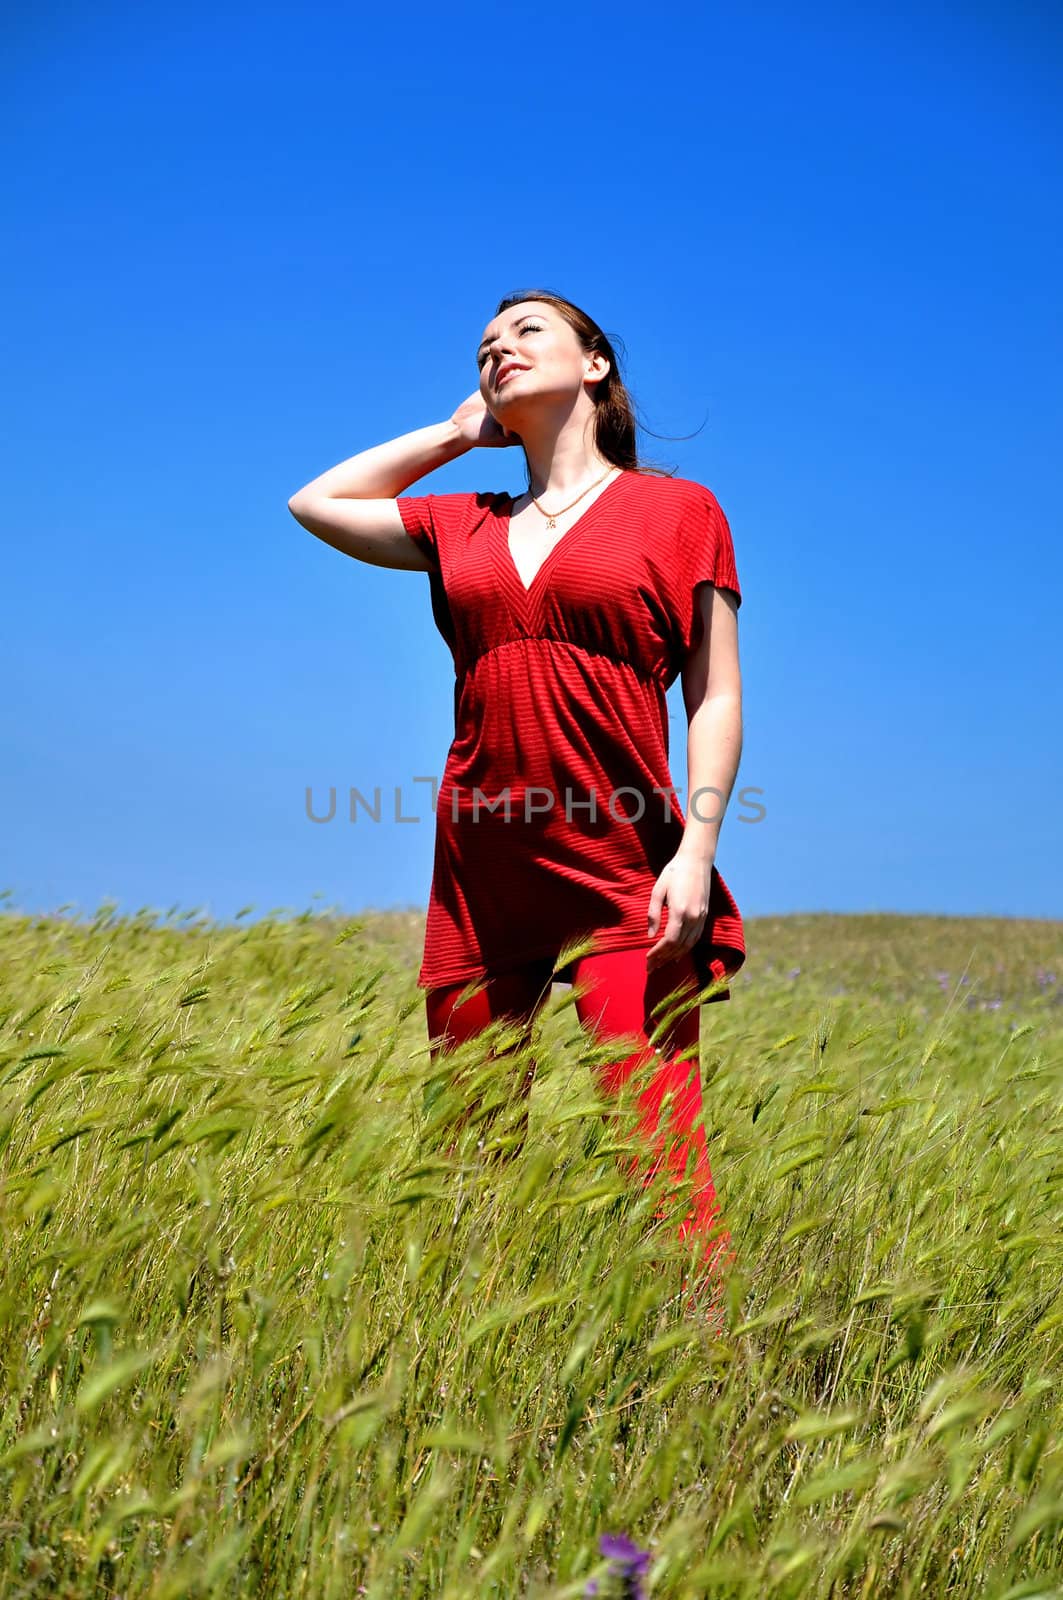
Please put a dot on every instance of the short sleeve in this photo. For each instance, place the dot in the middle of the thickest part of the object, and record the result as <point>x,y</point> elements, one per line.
<point>704,554</point>
<point>436,521</point>
<point>439,525</point>
<point>417,519</point>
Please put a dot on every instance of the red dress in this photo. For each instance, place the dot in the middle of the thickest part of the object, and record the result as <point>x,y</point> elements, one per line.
<point>556,812</point>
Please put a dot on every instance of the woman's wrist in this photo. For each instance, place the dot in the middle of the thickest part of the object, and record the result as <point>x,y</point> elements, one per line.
<point>697,849</point>
<point>451,442</point>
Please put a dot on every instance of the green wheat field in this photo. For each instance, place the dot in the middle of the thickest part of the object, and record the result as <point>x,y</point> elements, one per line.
<point>260,1335</point>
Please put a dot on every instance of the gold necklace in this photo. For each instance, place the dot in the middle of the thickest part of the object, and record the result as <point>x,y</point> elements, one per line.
<point>551,517</point>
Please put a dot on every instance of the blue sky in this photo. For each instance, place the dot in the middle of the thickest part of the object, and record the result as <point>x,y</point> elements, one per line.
<point>246,243</point>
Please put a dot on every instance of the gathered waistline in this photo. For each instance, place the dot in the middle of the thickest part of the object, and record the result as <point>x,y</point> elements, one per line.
<point>564,644</point>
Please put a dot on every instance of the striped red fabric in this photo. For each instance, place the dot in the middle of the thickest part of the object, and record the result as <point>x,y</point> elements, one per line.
<point>556,811</point>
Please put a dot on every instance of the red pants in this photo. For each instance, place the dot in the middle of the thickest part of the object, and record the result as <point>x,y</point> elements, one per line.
<point>614,994</point>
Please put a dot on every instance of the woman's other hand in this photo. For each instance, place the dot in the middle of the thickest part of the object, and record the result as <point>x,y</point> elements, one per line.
<point>477,426</point>
<point>684,884</point>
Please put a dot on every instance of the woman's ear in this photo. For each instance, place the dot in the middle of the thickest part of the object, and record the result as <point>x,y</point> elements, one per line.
<point>596,367</point>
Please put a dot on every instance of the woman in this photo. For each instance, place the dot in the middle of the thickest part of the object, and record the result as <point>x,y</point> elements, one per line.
<point>569,610</point>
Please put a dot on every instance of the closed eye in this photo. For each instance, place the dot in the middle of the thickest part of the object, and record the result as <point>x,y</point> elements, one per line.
<point>525,327</point>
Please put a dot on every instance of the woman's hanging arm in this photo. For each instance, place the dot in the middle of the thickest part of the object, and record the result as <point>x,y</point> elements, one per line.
<point>712,697</point>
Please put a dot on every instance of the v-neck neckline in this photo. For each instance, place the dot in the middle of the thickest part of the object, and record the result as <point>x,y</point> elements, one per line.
<point>528,592</point>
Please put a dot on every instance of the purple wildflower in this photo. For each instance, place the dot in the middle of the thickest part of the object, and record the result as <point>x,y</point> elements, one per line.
<point>793,972</point>
<point>627,1562</point>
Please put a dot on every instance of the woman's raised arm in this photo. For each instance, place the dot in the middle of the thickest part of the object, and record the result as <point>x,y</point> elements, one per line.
<point>352,506</point>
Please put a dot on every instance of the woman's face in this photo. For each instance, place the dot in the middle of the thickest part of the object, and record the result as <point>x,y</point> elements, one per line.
<point>531,352</point>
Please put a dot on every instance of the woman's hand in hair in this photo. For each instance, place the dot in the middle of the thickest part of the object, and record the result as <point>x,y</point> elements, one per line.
<point>477,426</point>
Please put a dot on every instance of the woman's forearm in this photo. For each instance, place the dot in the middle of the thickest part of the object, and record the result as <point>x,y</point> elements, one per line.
<point>714,749</point>
<point>384,470</point>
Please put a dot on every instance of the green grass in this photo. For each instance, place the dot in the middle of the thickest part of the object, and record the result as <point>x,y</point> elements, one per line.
<point>259,1336</point>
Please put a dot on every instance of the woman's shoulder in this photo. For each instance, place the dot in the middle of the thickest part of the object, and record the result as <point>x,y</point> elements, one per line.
<point>674,492</point>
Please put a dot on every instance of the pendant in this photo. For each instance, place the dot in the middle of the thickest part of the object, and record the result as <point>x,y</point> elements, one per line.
<point>552,522</point>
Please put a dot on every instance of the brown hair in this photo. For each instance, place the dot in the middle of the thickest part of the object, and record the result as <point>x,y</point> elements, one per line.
<point>614,420</point>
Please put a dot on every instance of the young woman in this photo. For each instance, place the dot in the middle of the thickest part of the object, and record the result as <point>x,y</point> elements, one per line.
<point>569,610</point>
